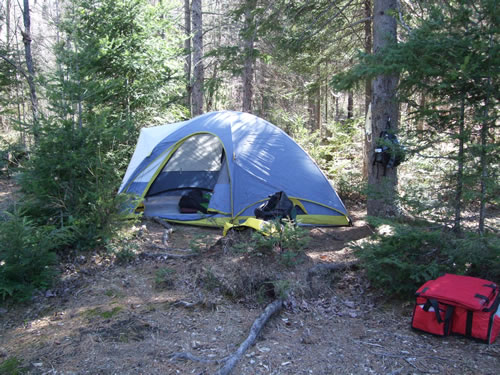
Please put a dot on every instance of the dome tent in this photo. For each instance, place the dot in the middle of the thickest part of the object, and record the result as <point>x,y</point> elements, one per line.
<point>238,160</point>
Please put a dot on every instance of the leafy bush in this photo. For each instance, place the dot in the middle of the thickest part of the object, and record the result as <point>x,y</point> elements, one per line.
<point>72,176</point>
<point>401,257</point>
<point>289,239</point>
<point>164,278</point>
<point>27,257</point>
<point>12,366</point>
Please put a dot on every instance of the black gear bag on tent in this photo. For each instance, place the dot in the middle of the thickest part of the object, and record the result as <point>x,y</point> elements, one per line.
<point>277,207</point>
<point>463,305</point>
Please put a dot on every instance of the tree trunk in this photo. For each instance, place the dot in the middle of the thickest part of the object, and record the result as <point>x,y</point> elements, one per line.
<point>29,65</point>
<point>484,144</point>
<point>325,99</point>
<point>249,41</point>
<point>197,93</point>
<point>187,51</point>
<point>382,182</point>
<point>457,228</point>
<point>484,170</point>
<point>212,88</point>
<point>368,87</point>
<point>7,23</point>
<point>318,100</point>
<point>420,122</point>
<point>350,105</point>
<point>368,49</point>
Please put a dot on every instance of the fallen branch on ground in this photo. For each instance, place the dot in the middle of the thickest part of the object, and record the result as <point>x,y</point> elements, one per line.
<point>158,247</point>
<point>329,267</point>
<point>257,326</point>
<point>164,256</point>
<point>332,235</point>
<point>186,304</point>
<point>160,221</point>
<point>191,357</point>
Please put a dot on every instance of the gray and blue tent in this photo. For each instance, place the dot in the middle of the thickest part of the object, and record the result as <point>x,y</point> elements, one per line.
<point>237,160</point>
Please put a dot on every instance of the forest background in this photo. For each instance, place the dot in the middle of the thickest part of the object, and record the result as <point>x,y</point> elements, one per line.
<point>79,78</point>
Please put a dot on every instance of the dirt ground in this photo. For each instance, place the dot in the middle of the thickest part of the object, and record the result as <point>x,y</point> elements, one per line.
<point>105,317</point>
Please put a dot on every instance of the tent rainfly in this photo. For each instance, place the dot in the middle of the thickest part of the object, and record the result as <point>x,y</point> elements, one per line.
<point>237,160</point>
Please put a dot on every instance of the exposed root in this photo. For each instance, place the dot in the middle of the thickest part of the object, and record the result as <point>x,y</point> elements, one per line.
<point>257,326</point>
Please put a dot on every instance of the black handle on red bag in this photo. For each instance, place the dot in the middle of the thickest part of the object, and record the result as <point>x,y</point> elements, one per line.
<point>447,319</point>
<point>434,304</point>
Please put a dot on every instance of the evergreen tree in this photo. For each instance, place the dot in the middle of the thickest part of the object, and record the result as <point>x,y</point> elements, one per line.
<point>119,68</point>
<point>451,57</point>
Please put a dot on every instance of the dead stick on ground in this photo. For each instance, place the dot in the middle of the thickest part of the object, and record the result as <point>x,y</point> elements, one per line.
<point>168,255</point>
<point>160,221</point>
<point>257,326</point>
<point>322,267</point>
<point>191,357</point>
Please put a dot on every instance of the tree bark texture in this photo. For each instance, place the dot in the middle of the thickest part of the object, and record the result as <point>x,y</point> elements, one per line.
<point>350,105</point>
<point>457,225</point>
<point>368,87</point>
<point>187,48</point>
<point>249,41</point>
<point>382,182</point>
<point>30,67</point>
<point>368,49</point>
<point>7,23</point>
<point>484,144</point>
<point>198,71</point>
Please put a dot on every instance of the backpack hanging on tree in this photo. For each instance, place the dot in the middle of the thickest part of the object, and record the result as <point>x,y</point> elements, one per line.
<point>389,152</point>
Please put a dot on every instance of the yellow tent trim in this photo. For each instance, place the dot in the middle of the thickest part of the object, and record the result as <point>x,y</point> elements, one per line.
<point>313,219</point>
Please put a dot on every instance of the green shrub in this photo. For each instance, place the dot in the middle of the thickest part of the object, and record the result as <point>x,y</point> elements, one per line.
<point>12,366</point>
<point>72,177</point>
<point>122,247</point>
<point>286,237</point>
<point>164,278</point>
<point>27,255</point>
<point>403,257</point>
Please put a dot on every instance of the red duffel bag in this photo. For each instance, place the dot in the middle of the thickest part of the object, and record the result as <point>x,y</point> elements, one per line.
<point>462,305</point>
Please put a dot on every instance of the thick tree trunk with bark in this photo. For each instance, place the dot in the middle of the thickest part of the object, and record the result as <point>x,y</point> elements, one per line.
<point>368,86</point>
<point>368,49</point>
<point>197,93</point>
<point>187,51</point>
<point>382,182</point>
<point>30,67</point>
<point>249,41</point>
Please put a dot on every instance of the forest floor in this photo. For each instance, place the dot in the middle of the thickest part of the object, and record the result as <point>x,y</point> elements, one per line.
<point>104,317</point>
